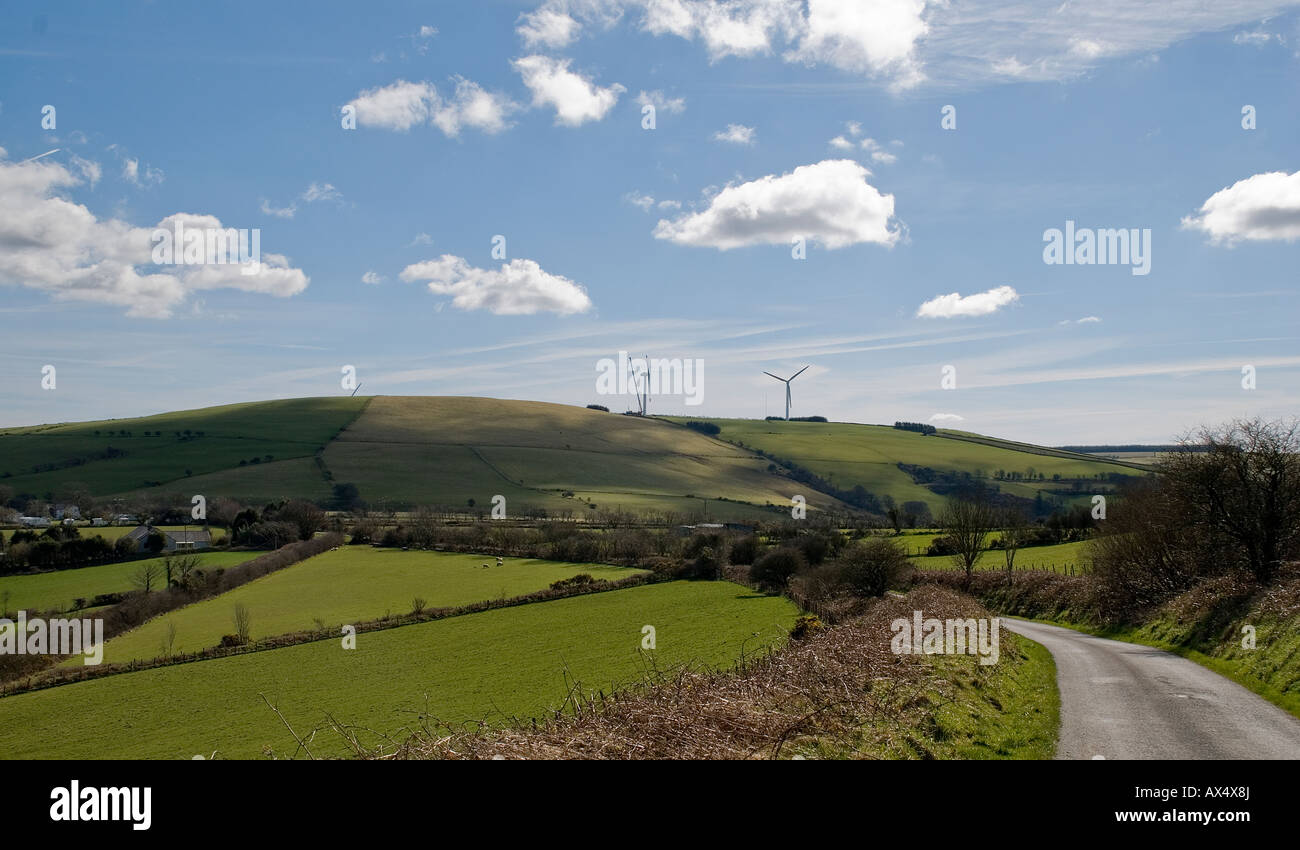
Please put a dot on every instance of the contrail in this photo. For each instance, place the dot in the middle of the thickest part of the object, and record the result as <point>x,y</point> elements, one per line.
<point>47,153</point>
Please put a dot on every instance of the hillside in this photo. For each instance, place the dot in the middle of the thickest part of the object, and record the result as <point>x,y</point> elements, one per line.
<point>405,451</point>
<point>909,466</point>
<point>400,452</point>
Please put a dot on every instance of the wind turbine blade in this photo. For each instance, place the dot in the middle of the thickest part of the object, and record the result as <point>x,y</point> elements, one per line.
<point>770,375</point>
<point>801,371</point>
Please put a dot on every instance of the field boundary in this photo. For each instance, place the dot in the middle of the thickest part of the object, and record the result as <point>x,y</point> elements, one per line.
<point>63,676</point>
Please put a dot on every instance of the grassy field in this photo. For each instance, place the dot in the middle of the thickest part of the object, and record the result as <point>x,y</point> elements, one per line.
<point>848,454</point>
<point>492,665</point>
<point>447,450</point>
<point>231,433</point>
<point>1059,556</point>
<point>112,532</point>
<point>57,589</point>
<point>418,450</point>
<point>347,585</point>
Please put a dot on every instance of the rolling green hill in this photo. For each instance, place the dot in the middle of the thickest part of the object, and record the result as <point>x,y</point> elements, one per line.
<point>874,457</point>
<point>408,451</point>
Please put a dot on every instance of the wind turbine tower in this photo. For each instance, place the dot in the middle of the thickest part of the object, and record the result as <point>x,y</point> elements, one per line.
<point>787,381</point>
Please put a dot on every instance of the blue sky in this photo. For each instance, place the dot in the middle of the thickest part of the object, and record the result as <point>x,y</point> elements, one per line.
<point>525,120</point>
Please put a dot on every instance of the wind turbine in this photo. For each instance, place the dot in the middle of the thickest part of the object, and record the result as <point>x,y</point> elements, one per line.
<point>642,391</point>
<point>787,381</point>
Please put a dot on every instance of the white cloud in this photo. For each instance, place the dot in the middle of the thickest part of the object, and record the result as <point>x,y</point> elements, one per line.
<point>403,105</point>
<point>878,154</point>
<point>1086,320</point>
<point>548,27</point>
<point>473,106</point>
<point>558,23</point>
<point>1262,207</point>
<point>56,246</point>
<point>399,106</point>
<point>637,199</point>
<point>980,304</point>
<point>736,134</point>
<point>278,212</point>
<point>947,417</point>
<point>670,205</point>
<point>131,173</point>
<point>1089,48</point>
<point>841,143</point>
<point>661,102</point>
<point>321,192</point>
<point>372,278</point>
<point>829,202</point>
<point>427,31</point>
<point>575,98</point>
<point>520,287</point>
<point>88,169</point>
<point>877,38</point>
<point>987,41</point>
<point>737,28</point>
<point>422,239</point>
<point>1255,38</point>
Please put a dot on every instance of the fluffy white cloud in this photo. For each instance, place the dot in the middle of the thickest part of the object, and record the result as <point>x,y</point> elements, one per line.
<point>661,102</point>
<point>876,38</point>
<point>473,106</point>
<point>829,202</point>
<point>557,23</point>
<point>980,304</point>
<point>403,105</point>
<point>1263,207</point>
<point>878,153</point>
<point>51,244</point>
<point>575,98</point>
<point>947,417</point>
<point>518,288</point>
<point>733,28</point>
<point>841,144</point>
<point>736,134</point>
<point>372,278</point>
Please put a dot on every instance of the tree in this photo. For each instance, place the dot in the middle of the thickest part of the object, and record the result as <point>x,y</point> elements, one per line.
<point>308,518</point>
<point>967,522</point>
<point>773,570</point>
<point>870,566</point>
<point>1242,481</point>
<point>242,620</point>
<point>1015,529</point>
<point>892,511</point>
<point>146,575</point>
<point>179,568</point>
<point>347,496</point>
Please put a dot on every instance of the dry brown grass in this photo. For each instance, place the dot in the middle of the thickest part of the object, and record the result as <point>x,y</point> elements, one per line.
<point>841,692</point>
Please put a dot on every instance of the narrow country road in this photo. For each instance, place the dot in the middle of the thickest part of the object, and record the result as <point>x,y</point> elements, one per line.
<point>1126,701</point>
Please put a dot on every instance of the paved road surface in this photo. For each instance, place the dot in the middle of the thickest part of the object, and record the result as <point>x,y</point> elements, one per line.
<point>1125,701</point>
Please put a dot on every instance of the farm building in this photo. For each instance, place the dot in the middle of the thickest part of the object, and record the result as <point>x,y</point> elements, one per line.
<point>34,521</point>
<point>172,540</point>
